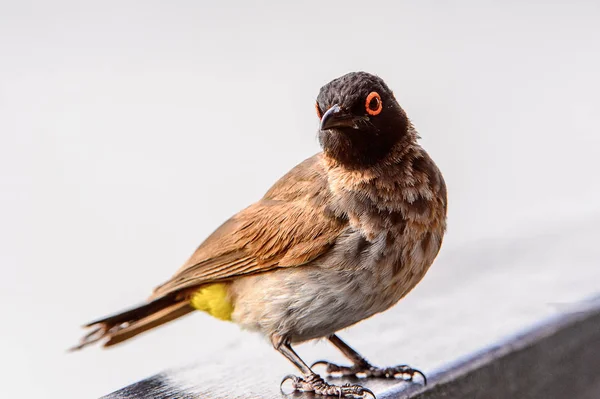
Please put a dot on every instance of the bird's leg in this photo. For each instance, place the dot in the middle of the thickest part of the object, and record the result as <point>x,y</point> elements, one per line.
<point>312,382</point>
<point>362,368</point>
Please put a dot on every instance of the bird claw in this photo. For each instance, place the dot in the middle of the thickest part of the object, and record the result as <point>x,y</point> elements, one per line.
<point>314,383</point>
<point>403,372</point>
<point>355,391</point>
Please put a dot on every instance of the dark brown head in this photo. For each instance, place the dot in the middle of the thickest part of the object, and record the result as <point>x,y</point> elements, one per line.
<point>361,121</point>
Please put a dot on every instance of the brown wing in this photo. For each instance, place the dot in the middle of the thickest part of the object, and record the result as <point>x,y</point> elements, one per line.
<point>289,226</point>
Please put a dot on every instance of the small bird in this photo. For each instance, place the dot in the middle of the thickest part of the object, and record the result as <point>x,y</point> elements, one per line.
<point>342,236</point>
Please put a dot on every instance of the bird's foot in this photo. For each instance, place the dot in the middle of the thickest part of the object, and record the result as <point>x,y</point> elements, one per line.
<point>314,383</point>
<point>366,370</point>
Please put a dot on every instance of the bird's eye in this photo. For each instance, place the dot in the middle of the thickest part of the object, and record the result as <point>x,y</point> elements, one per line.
<point>319,113</point>
<point>373,103</point>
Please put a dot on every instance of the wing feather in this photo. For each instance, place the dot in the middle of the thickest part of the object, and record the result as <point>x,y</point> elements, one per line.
<point>288,227</point>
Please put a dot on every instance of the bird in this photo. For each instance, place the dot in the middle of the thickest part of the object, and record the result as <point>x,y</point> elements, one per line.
<point>342,236</point>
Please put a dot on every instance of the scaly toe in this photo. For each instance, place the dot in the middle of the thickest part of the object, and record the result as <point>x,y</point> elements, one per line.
<point>404,372</point>
<point>357,391</point>
<point>314,383</point>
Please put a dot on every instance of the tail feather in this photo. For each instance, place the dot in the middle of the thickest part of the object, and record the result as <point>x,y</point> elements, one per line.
<point>122,326</point>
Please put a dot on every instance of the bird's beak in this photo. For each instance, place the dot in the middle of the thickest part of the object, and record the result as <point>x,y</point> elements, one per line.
<point>336,117</point>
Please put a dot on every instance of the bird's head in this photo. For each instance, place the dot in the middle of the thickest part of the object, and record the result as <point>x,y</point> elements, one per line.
<point>361,121</point>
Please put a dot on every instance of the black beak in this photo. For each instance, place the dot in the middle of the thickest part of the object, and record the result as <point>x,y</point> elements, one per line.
<point>336,117</point>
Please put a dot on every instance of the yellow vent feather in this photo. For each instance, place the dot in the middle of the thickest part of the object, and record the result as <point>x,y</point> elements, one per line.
<point>214,300</point>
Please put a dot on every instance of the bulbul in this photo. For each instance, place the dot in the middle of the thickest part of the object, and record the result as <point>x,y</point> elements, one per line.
<point>342,236</point>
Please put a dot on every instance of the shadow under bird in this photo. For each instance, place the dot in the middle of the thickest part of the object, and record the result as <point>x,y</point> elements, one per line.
<point>342,236</point>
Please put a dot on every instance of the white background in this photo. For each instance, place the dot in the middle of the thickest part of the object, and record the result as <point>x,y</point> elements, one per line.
<point>130,130</point>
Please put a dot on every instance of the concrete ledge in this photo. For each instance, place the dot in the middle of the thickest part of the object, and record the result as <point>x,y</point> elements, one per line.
<point>558,359</point>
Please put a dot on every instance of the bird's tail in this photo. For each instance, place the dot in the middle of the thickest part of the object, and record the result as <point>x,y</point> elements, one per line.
<point>127,324</point>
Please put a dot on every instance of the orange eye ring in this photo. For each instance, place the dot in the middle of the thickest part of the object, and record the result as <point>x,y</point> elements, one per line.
<point>373,105</point>
<point>319,114</point>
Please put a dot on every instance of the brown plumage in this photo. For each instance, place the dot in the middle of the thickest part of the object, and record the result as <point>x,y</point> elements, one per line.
<point>342,236</point>
<point>287,227</point>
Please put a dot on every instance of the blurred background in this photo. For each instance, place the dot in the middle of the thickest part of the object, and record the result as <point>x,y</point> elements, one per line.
<point>130,130</point>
